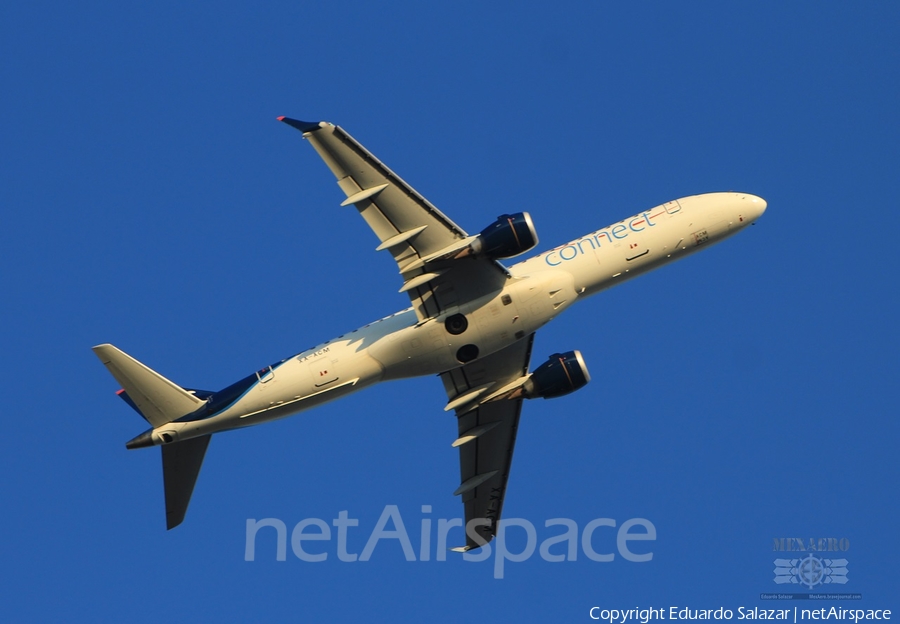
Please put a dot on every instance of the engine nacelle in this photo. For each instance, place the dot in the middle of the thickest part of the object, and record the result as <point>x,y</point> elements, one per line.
<point>508,236</point>
<point>561,374</point>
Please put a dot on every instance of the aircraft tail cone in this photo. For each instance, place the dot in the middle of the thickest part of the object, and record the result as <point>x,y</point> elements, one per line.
<point>142,441</point>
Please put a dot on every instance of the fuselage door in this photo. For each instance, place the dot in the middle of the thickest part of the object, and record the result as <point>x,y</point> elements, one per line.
<point>672,207</point>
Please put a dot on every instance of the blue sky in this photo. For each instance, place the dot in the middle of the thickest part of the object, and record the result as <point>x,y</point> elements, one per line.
<point>150,199</point>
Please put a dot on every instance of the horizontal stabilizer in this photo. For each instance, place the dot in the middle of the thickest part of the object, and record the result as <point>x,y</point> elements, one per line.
<point>157,399</point>
<point>181,466</point>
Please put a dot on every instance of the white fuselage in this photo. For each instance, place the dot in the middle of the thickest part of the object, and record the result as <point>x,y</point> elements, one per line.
<point>541,287</point>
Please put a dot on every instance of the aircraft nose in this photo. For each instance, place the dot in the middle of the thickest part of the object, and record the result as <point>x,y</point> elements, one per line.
<point>754,206</point>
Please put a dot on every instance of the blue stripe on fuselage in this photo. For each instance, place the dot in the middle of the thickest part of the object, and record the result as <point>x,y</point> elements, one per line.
<point>223,399</point>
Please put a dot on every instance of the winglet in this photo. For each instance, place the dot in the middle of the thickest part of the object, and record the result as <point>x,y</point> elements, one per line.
<point>302,126</point>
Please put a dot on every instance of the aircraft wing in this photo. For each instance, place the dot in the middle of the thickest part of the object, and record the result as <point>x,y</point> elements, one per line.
<point>487,434</point>
<point>421,239</point>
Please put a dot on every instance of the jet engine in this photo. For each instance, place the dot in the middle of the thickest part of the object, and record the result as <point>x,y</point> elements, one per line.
<point>561,374</point>
<point>508,236</point>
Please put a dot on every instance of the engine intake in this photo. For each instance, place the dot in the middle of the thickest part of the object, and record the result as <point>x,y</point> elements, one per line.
<point>508,236</point>
<point>561,374</point>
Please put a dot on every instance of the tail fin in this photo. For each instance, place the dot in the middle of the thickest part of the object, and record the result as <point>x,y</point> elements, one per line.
<point>159,400</point>
<point>181,465</point>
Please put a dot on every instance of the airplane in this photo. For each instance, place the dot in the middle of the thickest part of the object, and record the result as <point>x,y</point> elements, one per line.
<point>472,322</point>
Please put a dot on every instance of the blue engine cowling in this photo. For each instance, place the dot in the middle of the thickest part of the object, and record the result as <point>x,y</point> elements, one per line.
<point>561,374</point>
<point>508,236</point>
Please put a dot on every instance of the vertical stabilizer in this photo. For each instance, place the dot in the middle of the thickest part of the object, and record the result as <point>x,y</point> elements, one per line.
<point>181,465</point>
<point>159,400</point>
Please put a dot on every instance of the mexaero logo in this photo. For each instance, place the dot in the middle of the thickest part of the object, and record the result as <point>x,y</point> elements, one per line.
<point>822,544</point>
<point>811,570</point>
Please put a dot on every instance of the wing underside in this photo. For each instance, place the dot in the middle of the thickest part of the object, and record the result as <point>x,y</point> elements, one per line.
<point>487,436</point>
<point>421,239</point>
